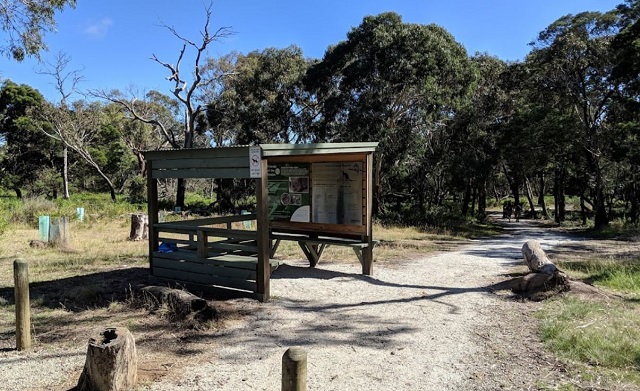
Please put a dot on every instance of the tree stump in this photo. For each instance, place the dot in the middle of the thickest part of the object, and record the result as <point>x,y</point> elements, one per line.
<point>139,226</point>
<point>59,232</point>
<point>111,363</point>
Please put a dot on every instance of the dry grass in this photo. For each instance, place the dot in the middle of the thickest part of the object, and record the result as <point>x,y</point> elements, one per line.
<point>92,247</point>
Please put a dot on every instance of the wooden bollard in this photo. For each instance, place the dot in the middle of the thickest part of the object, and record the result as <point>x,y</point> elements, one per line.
<point>294,369</point>
<point>23,310</point>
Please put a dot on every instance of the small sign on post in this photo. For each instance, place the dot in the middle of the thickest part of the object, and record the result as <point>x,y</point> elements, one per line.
<point>255,159</point>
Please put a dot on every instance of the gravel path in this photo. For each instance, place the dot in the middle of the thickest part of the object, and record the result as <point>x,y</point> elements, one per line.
<point>424,324</point>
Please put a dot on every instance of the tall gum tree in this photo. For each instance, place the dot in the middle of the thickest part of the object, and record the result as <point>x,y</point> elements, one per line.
<point>575,55</point>
<point>396,83</point>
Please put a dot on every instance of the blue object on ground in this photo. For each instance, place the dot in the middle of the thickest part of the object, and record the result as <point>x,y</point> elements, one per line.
<point>167,247</point>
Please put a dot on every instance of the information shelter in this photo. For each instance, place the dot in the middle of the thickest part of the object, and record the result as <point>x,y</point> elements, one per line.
<point>314,194</point>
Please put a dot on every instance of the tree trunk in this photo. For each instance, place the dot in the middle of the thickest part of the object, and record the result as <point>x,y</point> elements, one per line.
<point>635,201</point>
<point>558,196</point>
<point>65,173</point>
<point>541,200</point>
<point>482,200</point>
<point>18,192</point>
<point>530,198</point>
<point>466,199</point>
<point>111,363</point>
<point>139,226</point>
<point>182,189</point>
<point>601,218</point>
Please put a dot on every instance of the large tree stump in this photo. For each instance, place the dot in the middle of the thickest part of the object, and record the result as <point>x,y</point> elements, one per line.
<point>111,363</point>
<point>139,226</point>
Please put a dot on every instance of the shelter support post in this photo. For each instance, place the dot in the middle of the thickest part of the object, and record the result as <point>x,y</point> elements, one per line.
<point>263,273</point>
<point>152,212</point>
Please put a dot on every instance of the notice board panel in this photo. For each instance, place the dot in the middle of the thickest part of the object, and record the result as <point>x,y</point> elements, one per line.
<point>325,193</point>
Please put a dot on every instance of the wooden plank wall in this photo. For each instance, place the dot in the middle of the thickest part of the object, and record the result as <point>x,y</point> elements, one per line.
<point>201,163</point>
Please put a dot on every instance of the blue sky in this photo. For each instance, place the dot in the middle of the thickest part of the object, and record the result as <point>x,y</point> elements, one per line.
<point>112,41</point>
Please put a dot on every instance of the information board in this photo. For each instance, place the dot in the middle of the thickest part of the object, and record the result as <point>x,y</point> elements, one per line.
<point>337,193</point>
<point>329,193</point>
<point>288,189</point>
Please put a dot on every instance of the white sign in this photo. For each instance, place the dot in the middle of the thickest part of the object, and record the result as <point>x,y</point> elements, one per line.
<point>255,162</point>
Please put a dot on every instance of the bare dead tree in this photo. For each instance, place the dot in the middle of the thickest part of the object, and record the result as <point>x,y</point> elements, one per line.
<point>184,89</point>
<point>66,84</point>
<point>76,126</point>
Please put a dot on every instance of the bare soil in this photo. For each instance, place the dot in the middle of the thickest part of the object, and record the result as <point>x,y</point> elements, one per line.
<point>437,322</point>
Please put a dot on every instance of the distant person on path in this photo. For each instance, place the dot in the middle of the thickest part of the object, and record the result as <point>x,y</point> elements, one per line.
<point>518,211</point>
<point>506,210</point>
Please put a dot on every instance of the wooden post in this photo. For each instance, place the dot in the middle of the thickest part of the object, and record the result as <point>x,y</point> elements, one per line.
<point>203,244</point>
<point>367,252</point>
<point>23,310</point>
<point>152,212</point>
<point>294,369</point>
<point>263,272</point>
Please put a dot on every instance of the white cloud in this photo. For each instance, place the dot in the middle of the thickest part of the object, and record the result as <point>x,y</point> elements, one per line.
<point>99,29</point>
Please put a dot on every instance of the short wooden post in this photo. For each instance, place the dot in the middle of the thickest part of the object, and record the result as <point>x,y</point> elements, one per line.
<point>294,369</point>
<point>23,310</point>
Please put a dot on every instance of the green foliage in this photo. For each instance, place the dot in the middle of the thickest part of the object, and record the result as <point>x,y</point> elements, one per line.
<point>24,23</point>
<point>137,190</point>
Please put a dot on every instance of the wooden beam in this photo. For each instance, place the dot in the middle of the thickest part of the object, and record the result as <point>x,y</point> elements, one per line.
<point>367,252</point>
<point>202,163</point>
<point>241,172</point>
<point>152,212</point>
<point>262,204</point>
<point>326,158</point>
<point>201,153</point>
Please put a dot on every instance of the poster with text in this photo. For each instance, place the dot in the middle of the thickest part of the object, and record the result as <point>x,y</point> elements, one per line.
<point>288,192</point>
<point>337,193</point>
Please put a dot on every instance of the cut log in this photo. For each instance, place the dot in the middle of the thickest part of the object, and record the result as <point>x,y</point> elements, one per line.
<point>536,259</point>
<point>181,303</point>
<point>111,363</point>
<point>139,226</point>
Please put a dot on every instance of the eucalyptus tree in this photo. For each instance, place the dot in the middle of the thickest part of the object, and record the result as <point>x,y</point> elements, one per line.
<point>25,22</point>
<point>575,56</point>
<point>261,97</point>
<point>26,151</point>
<point>399,84</point>
<point>626,46</point>
<point>474,151</point>
<point>79,126</point>
<point>258,97</point>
